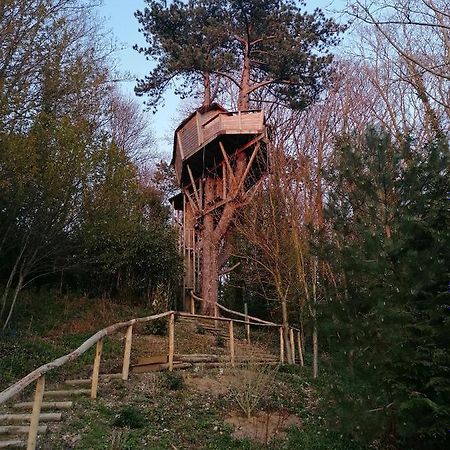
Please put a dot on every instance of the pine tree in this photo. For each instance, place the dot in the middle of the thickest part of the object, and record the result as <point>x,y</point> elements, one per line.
<point>252,43</point>
<point>389,212</point>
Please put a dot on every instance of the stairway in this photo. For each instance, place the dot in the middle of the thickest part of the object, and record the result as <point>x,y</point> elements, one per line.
<point>15,417</point>
<point>224,345</point>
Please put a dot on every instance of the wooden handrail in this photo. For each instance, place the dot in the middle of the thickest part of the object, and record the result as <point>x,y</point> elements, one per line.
<point>255,319</point>
<point>224,319</point>
<point>94,339</point>
<point>230,113</point>
<point>97,339</point>
<point>84,347</point>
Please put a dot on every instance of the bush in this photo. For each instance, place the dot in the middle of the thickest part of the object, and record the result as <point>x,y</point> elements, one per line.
<point>200,329</point>
<point>250,385</point>
<point>173,381</point>
<point>130,417</point>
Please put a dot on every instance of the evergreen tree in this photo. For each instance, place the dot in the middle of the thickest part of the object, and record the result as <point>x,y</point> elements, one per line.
<point>252,43</point>
<point>388,320</point>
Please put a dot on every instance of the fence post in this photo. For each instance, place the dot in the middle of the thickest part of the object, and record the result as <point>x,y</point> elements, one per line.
<point>292,342</point>
<point>231,331</point>
<point>281,346</point>
<point>216,314</point>
<point>192,304</point>
<point>127,353</point>
<point>171,339</point>
<point>34,423</point>
<point>300,351</point>
<point>247,323</point>
<point>96,369</point>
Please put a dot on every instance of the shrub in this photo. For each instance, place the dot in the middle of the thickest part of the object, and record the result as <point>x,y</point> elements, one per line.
<point>200,329</point>
<point>130,417</point>
<point>251,384</point>
<point>173,381</point>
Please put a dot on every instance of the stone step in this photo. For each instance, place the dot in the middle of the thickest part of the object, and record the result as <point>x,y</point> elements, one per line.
<point>45,405</point>
<point>44,417</point>
<point>16,443</point>
<point>67,392</point>
<point>19,429</point>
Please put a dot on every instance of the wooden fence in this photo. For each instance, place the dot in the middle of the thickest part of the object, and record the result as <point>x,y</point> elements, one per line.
<point>38,375</point>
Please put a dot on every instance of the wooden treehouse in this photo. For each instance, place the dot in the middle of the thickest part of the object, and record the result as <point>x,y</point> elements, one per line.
<point>219,159</point>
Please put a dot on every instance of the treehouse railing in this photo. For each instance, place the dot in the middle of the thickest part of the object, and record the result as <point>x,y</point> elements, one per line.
<point>38,375</point>
<point>246,122</point>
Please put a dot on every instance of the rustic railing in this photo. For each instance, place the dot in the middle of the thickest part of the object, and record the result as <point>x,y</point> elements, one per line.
<point>248,318</point>
<point>38,375</point>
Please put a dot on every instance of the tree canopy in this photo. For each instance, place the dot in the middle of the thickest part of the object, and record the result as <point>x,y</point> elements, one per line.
<point>74,204</point>
<point>258,44</point>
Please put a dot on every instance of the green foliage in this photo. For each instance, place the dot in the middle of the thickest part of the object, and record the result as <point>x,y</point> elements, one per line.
<point>312,437</point>
<point>75,210</point>
<point>387,322</point>
<point>200,329</point>
<point>274,40</point>
<point>173,381</point>
<point>129,416</point>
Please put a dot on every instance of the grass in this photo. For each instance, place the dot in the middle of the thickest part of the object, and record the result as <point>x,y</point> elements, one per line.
<point>145,413</point>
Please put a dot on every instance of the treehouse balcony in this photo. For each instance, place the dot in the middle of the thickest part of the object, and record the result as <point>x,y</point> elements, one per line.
<point>196,144</point>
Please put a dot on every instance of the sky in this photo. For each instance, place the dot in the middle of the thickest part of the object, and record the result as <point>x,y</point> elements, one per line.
<point>118,17</point>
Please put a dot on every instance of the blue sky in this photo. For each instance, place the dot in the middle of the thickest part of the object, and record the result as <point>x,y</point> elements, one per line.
<point>119,17</point>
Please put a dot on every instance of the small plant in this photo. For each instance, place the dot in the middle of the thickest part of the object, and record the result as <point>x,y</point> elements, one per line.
<point>220,342</point>
<point>130,417</point>
<point>200,329</point>
<point>251,384</point>
<point>123,441</point>
<point>173,381</point>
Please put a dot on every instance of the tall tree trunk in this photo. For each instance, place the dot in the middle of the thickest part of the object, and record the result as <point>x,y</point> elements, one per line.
<point>315,343</point>
<point>244,101</point>
<point>213,233</point>
<point>209,255</point>
<point>285,318</point>
<point>207,89</point>
<point>313,309</point>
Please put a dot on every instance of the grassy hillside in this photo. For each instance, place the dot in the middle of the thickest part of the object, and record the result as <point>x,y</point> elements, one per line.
<point>196,409</point>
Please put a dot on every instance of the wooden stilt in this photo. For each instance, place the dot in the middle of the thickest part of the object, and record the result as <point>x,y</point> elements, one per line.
<point>194,187</point>
<point>300,351</point>
<point>96,369</point>
<point>292,342</point>
<point>192,304</point>
<point>171,340</point>
<point>127,353</point>
<point>34,423</point>
<point>231,331</point>
<point>281,346</point>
